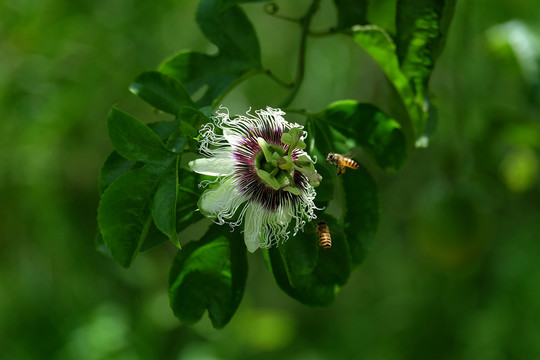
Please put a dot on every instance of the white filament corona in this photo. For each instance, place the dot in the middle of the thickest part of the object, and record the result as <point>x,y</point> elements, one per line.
<point>238,195</point>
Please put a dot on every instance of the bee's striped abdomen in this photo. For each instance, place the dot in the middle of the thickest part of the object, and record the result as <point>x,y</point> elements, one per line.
<point>350,163</point>
<point>325,240</point>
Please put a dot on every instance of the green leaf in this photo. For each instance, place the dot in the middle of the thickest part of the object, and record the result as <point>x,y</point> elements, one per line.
<point>154,237</point>
<point>300,255</point>
<point>351,12</point>
<point>230,30</point>
<point>161,91</point>
<point>383,50</point>
<point>313,275</point>
<point>239,54</point>
<point>186,203</point>
<point>114,166</point>
<point>320,138</point>
<point>325,191</point>
<point>362,212</point>
<point>164,206</point>
<point>191,135</point>
<point>318,150</point>
<point>176,141</point>
<point>136,141</point>
<point>318,287</point>
<point>164,129</point>
<point>379,135</point>
<point>124,213</point>
<point>209,274</point>
<point>324,138</point>
<point>192,120</point>
<point>422,27</point>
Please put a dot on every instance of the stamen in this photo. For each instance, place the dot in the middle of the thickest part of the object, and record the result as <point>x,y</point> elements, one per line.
<point>264,147</point>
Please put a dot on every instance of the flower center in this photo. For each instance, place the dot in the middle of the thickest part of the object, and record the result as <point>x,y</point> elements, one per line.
<point>275,166</point>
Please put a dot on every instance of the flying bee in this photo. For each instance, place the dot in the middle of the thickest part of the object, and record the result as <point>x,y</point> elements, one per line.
<point>342,162</point>
<point>325,241</point>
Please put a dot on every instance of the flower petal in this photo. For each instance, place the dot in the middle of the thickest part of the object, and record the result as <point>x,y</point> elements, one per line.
<point>277,223</point>
<point>282,216</point>
<point>252,227</point>
<point>232,137</point>
<point>221,164</point>
<point>222,200</point>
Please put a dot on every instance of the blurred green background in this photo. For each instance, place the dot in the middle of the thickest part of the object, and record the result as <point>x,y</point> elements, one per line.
<point>454,272</point>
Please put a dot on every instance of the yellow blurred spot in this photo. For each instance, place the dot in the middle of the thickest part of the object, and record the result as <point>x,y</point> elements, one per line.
<point>519,169</point>
<point>265,330</point>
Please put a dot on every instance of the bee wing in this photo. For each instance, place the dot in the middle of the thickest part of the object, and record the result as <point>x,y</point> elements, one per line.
<point>352,153</point>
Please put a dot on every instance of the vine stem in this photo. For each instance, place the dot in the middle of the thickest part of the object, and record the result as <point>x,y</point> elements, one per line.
<point>278,80</point>
<point>304,21</point>
<point>272,10</point>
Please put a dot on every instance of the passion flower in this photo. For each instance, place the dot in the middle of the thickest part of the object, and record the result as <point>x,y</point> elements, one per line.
<point>264,178</point>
